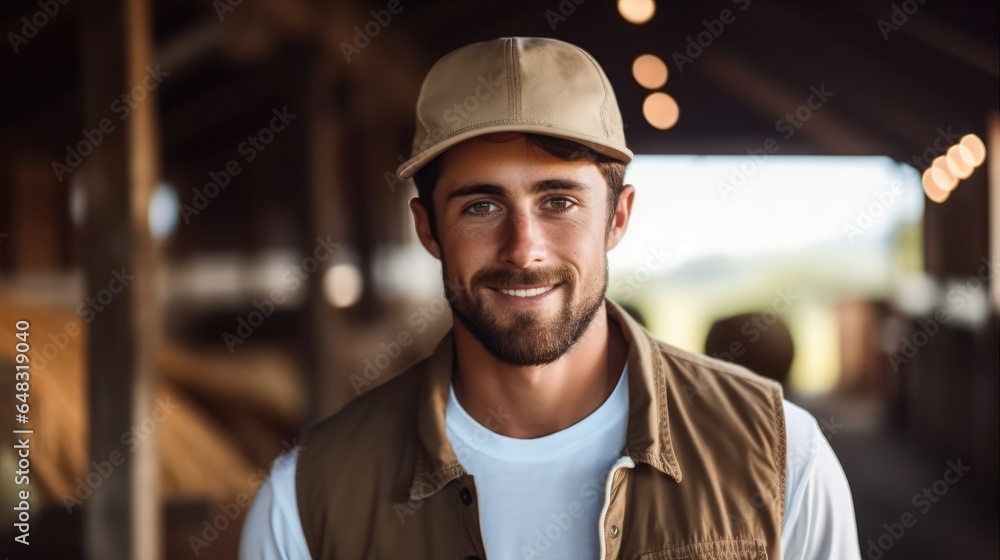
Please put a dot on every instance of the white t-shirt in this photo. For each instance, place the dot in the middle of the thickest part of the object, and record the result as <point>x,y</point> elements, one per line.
<point>541,498</point>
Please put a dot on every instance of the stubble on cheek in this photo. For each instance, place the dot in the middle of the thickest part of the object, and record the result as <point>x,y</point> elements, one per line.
<point>527,337</point>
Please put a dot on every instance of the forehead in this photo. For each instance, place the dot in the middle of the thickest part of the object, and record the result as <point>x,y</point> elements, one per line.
<point>512,161</point>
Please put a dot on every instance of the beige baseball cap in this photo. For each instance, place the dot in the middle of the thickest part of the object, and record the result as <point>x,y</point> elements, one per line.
<point>523,84</point>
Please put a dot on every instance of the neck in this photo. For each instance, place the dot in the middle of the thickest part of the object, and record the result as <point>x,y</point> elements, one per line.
<point>530,402</point>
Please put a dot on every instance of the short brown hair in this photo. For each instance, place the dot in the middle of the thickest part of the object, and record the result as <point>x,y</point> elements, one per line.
<point>611,169</point>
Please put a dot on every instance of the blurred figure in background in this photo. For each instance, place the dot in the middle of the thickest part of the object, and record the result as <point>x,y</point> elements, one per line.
<point>771,355</point>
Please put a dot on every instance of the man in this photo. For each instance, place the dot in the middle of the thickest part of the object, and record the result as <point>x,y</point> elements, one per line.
<point>547,423</point>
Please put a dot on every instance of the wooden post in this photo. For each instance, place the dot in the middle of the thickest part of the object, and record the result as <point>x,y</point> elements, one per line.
<point>122,517</point>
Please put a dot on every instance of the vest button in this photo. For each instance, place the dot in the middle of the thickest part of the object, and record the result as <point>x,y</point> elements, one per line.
<point>614,531</point>
<point>466,496</point>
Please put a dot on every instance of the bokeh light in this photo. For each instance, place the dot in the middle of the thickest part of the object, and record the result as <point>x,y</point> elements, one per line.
<point>660,110</point>
<point>649,71</point>
<point>932,189</point>
<point>959,161</point>
<point>164,208</point>
<point>343,284</point>
<point>636,11</point>
<point>943,177</point>
<point>976,147</point>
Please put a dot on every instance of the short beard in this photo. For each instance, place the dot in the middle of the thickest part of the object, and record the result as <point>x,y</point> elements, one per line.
<point>523,339</point>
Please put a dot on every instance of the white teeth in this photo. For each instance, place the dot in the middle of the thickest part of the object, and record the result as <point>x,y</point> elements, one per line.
<point>527,293</point>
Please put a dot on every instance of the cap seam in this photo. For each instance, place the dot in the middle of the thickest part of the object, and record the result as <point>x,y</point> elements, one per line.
<point>516,68</point>
<point>604,86</point>
<point>509,68</point>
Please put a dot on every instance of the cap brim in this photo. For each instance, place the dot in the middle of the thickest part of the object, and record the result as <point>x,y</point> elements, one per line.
<point>410,167</point>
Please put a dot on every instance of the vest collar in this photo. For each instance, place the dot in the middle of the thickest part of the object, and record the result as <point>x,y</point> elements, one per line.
<point>648,435</point>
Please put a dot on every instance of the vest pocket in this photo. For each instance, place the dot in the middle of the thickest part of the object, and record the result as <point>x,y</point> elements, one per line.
<point>736,549</point>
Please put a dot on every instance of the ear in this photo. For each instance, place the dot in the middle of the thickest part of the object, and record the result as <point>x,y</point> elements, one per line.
<point>422,223</point>
<point>619,222</point>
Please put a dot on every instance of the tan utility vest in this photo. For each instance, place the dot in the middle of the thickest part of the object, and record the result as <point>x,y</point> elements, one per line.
<point>702,474</point>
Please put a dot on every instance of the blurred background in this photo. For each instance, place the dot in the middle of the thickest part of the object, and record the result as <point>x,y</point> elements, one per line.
<point>203,238</point>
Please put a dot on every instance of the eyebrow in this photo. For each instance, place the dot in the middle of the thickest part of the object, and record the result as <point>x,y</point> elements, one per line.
<point>536,187</point>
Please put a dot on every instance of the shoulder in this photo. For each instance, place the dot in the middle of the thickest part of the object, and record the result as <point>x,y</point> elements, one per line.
<point>804,435</point>
<point>737,412</point>
<point>819,519</point>
<point>811,464</point>
<point>697,376</point>
<point>279,488</point>
<point>272,528</point>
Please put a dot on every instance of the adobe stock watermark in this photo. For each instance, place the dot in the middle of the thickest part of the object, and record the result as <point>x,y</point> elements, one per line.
<point>760,499</point>
<point>754,328</point>
<point>375,367</point>
<point>957,297</point>
<point>41,355</point>
<point>564,520</point>
<point>230,512</point>
<point>47,10</point>
<point>132,438</point>
<point>798,457</point>
<point>885,198</point>
<point>562,11</point>
<point>788,126</point>
<point>923,501</point>
<point>697,43</point>
<point>223,7</point>
<point>388,351</point>
<point>249,148</point>
<point>944,140</point>
<point>363,35</point>
<point>794,120</point>
<point>121,106</point>
<point>900,15</point>
<point>485,87</point>
<point>869,214</point>
<point>633,281</point>
<point>467,445</point>
<point>291,280</point>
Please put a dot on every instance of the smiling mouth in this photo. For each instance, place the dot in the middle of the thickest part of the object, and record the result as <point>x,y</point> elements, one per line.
<point>529,292</point>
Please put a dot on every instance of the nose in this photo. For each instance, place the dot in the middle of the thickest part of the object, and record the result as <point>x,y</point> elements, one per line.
<point>523,240</point>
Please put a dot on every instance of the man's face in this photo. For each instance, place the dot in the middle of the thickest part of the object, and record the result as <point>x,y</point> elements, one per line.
<point>522,238</point>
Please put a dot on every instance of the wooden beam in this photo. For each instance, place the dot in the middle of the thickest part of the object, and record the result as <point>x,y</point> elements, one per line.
<point>122,517</point>
<point>739,76</point>
<point>873,93</point>
<point>959,43</point>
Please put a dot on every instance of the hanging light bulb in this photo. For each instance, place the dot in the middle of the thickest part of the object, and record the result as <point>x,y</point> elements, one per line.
<point>637,11</point>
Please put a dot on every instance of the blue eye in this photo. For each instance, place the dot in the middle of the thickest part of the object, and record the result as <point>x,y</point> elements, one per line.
<point>480,208</point>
